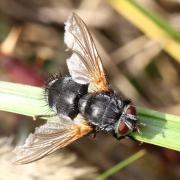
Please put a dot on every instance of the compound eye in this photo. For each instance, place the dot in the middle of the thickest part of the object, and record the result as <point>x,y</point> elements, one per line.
<point>123,129</point>
<point>131,110</point>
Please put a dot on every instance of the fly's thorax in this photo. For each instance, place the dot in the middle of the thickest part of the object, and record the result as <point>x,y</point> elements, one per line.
<point>101,109</point>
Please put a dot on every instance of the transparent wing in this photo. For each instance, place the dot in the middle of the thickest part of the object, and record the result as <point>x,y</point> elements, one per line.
<point>85,64</point>
<point>48,138</point>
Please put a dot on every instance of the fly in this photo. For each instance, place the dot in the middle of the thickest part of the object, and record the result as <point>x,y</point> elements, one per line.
<point>84,101</point>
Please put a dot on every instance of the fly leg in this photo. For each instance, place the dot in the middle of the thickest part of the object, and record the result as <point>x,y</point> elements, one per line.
<point>95,131</point>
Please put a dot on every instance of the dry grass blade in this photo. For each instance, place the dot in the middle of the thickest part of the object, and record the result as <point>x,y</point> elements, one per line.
<point>153,26</point>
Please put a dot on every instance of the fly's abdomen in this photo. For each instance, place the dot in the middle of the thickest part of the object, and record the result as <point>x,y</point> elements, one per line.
<point>102,110</point>
<point>64,94</point>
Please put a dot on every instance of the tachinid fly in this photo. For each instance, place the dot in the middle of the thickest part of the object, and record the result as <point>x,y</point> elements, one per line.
<point>83,101</point>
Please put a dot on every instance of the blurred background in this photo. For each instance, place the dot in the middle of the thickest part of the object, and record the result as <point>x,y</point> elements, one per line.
<point>140,50</point>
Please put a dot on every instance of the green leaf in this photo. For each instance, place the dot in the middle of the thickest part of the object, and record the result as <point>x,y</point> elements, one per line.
<point>160,128</point>
<point>22,99</point>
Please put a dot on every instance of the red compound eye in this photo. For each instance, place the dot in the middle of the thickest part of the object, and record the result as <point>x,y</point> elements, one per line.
<point>131,110</point>
<point>123,129</point>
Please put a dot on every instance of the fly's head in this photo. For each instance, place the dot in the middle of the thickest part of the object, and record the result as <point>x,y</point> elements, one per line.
<point>127,122</point>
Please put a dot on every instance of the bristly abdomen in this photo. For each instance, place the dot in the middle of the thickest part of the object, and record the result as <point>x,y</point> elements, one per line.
<point>63,95</point>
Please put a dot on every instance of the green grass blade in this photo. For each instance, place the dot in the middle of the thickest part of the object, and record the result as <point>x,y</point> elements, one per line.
<point>161,129</point>
<point>22,99</point>
<point>121,165</point>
